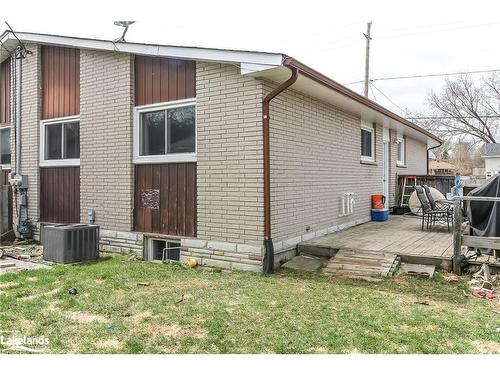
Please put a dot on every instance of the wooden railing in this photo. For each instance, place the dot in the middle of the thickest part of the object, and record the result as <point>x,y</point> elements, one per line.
<point>460,239</point>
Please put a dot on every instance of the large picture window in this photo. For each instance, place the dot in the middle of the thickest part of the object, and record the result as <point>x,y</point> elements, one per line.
<point>60,142</point>
<point>165,132</point>
<point>5,147</point>
<point>367,143</point>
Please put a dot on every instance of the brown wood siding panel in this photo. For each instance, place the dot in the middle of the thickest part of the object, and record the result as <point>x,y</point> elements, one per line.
<point>160,80</point>
<point>176,214</point>
<point>60,195</point>
<point>5,92</point>
<point>60,82</point>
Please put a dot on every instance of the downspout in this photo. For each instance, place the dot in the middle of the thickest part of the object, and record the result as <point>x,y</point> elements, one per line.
<point>268,266</point>
<point>429,149</point>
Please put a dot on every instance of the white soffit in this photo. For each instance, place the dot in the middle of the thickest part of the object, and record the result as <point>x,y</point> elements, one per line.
<point>314,89</point>
<point>253,61</point>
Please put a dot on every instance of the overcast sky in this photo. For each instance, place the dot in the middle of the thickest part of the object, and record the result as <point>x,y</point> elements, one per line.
<point>409,38</point>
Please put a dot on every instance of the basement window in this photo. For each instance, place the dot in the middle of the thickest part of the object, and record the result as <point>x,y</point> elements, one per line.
<point>60,142</point>
<point>161,250</point>
<point>165,132</point>
<point>5,147</point>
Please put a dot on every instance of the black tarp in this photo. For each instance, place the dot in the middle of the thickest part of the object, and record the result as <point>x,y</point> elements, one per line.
<point>484,217</point>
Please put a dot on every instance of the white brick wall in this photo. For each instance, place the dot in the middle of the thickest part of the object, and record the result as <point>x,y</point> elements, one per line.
<point>106,171</point>
<point>315,158</point>
<point>416,157</point>
<point>229,170</point>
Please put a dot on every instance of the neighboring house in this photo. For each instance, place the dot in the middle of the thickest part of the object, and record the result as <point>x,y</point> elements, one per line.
<point>490,152</point>
<point>441,168</point>
<point>172,146</point>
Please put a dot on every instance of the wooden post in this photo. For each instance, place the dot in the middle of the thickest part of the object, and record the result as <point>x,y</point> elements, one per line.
<point>457,235</point>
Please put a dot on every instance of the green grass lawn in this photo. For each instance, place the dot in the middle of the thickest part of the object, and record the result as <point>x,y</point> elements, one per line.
<point>237,312</point>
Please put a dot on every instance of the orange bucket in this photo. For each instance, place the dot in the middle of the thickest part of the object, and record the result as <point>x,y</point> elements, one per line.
<point>378,201</point>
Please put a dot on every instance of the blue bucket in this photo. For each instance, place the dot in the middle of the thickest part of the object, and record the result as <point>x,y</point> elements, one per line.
<point>380,215</point>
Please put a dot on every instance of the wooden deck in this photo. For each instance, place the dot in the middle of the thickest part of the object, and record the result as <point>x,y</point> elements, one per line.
<point>399,235</point>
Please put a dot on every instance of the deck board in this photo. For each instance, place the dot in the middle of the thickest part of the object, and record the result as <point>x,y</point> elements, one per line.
<point>398,235</point>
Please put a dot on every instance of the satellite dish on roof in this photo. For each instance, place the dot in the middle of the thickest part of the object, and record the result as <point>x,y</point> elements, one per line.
<point>125,25</point>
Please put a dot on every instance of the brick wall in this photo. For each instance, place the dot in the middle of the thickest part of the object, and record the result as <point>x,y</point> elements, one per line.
<point>315,158</point>
<point>416,157</point>
<point>106,173</point>
<point>230,177</point>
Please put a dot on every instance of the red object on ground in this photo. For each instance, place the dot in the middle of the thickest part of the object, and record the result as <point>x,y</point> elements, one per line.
<point>483,293</point>
<point>378,201</point>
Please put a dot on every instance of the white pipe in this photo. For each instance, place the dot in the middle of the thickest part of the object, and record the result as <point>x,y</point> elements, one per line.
<point>351,203</point>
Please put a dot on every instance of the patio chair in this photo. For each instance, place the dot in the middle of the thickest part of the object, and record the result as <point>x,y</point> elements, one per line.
<point>430,216</point>
<point>434,205</point>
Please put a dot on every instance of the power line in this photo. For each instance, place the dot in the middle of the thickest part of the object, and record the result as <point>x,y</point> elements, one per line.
<point>426,75</point>
<point>334,46</point>
<point>373,93</point>
<point>440,31</point>
<point>389,99</point>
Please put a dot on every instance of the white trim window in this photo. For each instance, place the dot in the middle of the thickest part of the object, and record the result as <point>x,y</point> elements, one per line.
<point>165,132</point>
<point>367,142</point>
<point>401,151</point>
<point>60,142</point>
<point>5,147</point>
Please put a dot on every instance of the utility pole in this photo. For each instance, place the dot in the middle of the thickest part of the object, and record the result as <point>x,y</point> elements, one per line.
<point>367,57</point>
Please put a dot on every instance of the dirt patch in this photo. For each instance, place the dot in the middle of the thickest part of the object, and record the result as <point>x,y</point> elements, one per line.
<point>318,350</point>
<point>8,285</point>
<point>487,347</point>
<point>175,331</point>
<point>82,317</point>
<point>52,307</point>
<point>109,344</point>
<point>32,279</point>
<point>140,316</point>
<point>199,319</point>
<point>34,296</point>
<point>195,283</point>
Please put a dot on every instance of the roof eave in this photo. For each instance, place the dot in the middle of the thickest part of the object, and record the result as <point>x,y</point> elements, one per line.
<point>258,59</point>
<point>334,85</point>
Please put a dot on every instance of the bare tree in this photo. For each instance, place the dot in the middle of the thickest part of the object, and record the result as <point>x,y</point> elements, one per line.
<point>466,110</point>
<point>443,152</point>
<point>465,156</point>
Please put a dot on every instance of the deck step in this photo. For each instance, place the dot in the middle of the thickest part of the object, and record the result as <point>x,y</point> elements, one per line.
<point>358,263</point>
<point>316,250</point>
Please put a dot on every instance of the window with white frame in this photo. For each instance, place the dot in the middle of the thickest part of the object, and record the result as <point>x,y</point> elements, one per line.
<point>60,142</point>
<point>401,150</point>
<point>367,142</point>
<point>165,132</point>
<point>5,147</point>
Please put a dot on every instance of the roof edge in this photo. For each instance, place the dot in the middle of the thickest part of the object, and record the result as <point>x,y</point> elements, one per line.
<point>194,53</point>
<point>334,85</point>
